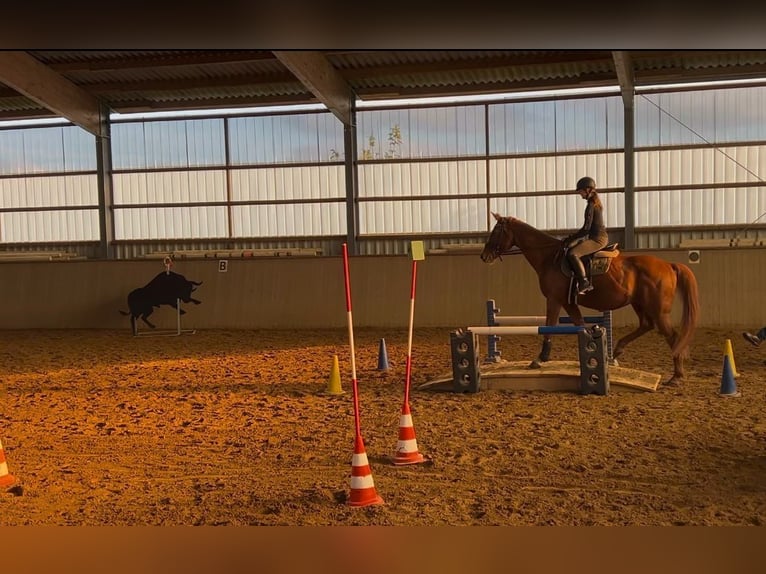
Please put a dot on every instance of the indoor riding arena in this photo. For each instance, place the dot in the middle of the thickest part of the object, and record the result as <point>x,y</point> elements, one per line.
<point>236,426</point>
<point>237,318</point>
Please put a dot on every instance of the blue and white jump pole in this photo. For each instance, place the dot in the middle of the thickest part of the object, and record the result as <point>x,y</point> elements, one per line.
<point>594,375</point>
<point>494,320</point>
<point>528,330</point>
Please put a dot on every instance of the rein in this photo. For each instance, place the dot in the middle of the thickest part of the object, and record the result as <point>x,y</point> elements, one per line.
<point>516,250</point>
<point>512,251</point>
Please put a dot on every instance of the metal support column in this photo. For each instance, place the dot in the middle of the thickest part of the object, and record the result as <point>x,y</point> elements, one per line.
<point>623,65</point>
<point>105,192</point>
<point>630,177</point>
<point>352,181</point>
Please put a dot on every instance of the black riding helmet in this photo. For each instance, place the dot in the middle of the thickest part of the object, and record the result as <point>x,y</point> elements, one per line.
<point>585,182</point>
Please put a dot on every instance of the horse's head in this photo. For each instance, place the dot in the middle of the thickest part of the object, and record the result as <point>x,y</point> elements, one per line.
<point>500,240</point>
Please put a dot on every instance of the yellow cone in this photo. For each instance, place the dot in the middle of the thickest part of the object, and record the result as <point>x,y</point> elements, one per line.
<point>727,350</point>
<point>333,385</point>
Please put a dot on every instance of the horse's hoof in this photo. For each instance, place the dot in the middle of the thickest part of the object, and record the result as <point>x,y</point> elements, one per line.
<point>536,364</point>
<point>672,382</point>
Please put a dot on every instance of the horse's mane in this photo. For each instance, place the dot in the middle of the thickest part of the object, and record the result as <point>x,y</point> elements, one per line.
<point>543,235</point>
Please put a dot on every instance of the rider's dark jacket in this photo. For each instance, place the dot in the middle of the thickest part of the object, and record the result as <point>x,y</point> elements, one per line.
<point>593,227</point>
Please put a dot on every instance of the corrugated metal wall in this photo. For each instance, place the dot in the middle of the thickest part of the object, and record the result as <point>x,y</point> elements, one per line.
<point>171,222</point>
<point>279,179</point>
<point>167,144</point>
<point>49,226</point>
<point>403,184</point>
<point>697,168</point>
<point>36,207</point>
<point>452,131</point>
<point>46,149</point>
<point>288,220</point>
<point>169,187</point>
<point>290,183</point>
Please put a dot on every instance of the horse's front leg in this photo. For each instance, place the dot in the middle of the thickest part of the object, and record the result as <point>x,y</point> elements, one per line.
<point>575,314</point>
<point>552,310</point>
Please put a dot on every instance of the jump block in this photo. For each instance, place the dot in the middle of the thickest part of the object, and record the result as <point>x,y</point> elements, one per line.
<point>555,376</point>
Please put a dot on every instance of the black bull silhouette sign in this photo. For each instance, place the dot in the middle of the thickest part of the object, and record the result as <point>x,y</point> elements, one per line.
<point>167,288</point>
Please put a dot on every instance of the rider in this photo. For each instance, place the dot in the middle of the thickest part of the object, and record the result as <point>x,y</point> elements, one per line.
<point>590,237</point>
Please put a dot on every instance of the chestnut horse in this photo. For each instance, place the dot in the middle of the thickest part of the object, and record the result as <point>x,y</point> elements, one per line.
<point>646,283</point>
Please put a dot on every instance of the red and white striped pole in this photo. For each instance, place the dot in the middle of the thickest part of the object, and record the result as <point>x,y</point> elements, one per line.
<point>407,445</point>
<point>350,323</point>
<point>363,491</point>
<point>408,367</point>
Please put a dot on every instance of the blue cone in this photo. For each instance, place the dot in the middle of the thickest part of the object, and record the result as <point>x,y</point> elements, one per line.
<point>382,356</point>
<point>728,384</point>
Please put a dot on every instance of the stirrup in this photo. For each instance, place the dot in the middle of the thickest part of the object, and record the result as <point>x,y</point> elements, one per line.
<point>584,288</point>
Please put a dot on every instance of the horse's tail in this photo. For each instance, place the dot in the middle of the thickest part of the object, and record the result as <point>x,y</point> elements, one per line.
<point>687,284</point>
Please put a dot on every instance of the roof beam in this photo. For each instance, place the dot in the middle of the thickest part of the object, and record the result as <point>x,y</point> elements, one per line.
<point>175,84</point>
<point>591,80</point>
<point>322,79</point>
<point>678,75</point>
<point>29,77</point>
<point>169,59</point>
<point>213,104</point>
<point>466,63</point>
<point>623,64</point>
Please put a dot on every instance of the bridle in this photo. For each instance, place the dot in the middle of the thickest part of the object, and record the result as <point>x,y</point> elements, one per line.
<point>498,252</point>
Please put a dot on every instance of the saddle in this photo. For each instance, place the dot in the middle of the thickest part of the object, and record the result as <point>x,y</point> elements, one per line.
<point>595,264</point>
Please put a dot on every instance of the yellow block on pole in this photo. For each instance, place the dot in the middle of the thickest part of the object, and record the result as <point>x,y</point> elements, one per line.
<point>417,251</point>
<point>727,350</point>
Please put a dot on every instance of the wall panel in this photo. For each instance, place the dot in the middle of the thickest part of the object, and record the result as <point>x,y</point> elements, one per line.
<point>307,293</point>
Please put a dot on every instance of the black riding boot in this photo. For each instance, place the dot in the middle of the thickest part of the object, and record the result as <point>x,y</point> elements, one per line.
<point>583,285</point>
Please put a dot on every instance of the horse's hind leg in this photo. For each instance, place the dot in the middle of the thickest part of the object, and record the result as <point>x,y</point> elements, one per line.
<point>552,310</point>
<point>645,325</point>
<point>665,327</point>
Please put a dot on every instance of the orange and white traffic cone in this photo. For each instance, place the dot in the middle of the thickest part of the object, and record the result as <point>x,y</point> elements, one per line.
<point>363,491</point>
<point>6,478</point>
<point>407,445</point>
